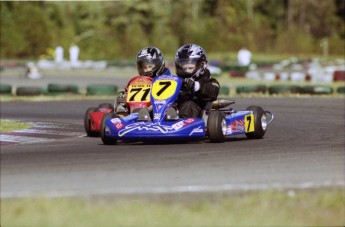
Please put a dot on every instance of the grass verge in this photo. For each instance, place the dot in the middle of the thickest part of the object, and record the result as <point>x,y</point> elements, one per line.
<point>8,126</point>
<point>321,207</point>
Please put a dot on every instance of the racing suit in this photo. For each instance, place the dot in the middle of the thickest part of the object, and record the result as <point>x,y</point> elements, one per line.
<point>191,103</point>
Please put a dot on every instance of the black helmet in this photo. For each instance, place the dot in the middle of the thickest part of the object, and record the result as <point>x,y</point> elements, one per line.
<point>150,56</point>
<point>193,57</point>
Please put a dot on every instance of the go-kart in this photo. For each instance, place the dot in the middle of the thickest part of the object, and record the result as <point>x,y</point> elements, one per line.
<point>160,122</point>
<point>138,88</point>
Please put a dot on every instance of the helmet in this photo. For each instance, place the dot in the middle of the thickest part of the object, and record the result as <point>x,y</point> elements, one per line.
<point>190,61</point>
<point>150,62</point>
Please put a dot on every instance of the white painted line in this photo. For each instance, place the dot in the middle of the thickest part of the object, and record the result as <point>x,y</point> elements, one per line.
<point>21,139</point>
<point>173,189</point>
<point>50,132</point>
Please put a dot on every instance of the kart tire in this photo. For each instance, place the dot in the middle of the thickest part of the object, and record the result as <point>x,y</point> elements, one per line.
<point>5,89</point>
<point>224,91</point>
<point>29,91</point>
<point>251,89</point>
<point>216,127</point>
<point>317,90</point>
<point>341,90</point>
<point>284,89</point>
<point>106,140</point>
<point>260,123</point>
<point>98,89</point>
<point>58,89</point>
<point>106,105</point>
<point>87,122</point>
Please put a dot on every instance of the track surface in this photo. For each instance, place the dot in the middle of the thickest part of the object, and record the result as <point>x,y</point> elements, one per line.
<point>303,147</point>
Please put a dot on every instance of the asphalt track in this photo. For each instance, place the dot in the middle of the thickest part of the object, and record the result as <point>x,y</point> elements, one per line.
<point>303,147</point>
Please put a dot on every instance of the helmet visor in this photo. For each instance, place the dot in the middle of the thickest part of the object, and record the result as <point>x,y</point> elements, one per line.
<point>147,66</point>
<point>187,66</point>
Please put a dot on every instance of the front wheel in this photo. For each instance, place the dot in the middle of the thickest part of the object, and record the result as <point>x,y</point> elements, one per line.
<point>106,140</point>
<point>260,123</point>
<point>216,127</point>
<point>87,122</point>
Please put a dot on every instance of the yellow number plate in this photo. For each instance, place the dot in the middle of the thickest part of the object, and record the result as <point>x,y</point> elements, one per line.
<point>249,122</point>
<point>139,93</point>
<point>163,89</point>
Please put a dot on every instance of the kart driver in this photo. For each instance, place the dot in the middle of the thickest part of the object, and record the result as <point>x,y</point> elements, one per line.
<point>199,87</point>
<point>150,62</point>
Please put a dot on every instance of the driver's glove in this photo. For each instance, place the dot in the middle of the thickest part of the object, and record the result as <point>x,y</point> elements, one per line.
<point>190,84</point>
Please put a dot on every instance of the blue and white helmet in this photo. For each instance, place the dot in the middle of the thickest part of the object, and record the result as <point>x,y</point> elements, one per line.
<point>193,55</point>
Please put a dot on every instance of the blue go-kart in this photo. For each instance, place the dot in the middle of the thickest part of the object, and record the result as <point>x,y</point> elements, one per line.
<point>160,122</point>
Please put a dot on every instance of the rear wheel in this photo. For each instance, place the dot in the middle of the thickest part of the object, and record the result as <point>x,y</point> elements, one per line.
<point>106,140</point>
<point>87,122</point>
<point>260,123</point>
<point>216,127</point>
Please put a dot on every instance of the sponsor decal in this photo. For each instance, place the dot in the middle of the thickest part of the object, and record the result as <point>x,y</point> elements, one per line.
<point>167,77</point>
<point>196,130</point>
<point>118,126</point>
<point>141,85</point>
<point>236,126</point>
<point>115,120</point>
<point>161,102</point>
<point>159,106</point>
<point>147,127</point>
<point>178,125</point>
<point>188,121</point>
<point>229,130</point>
<point>183,123</point>
<point>117,123</point>
<point>157,116</point>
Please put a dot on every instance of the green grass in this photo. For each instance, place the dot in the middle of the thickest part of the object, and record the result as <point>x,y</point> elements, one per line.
<point>322,207</point>
<point>7,126</point>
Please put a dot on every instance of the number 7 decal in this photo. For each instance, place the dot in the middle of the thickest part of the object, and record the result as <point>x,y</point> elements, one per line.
<point>163,89</point>
<point>166,85</point>
<point>249,123</point>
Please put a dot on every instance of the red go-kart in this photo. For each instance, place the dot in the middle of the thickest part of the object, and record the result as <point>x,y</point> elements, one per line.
<point>137,96</point>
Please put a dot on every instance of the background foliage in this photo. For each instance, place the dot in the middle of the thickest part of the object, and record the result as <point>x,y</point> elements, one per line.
<point>118,29</point>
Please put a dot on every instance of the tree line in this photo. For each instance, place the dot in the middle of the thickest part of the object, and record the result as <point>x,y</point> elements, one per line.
<point>118,29</point>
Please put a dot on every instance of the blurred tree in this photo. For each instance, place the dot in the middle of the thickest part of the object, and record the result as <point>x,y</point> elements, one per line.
<point>118,29</point>
<point>12,39</point>
<point>34,28</point>
<point>306,16</point>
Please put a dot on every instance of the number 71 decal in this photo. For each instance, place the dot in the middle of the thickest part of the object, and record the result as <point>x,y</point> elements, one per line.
<point>138,93</point>
<point>249,123</point>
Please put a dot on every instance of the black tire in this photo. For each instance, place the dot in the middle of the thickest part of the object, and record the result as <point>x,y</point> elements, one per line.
<point>87,122</point>
<point>224,91</point>
<point>284,89</point>
<point>58,89</point>
<point>341,90</point>
<point>215,127</point>
<point>29,91</point>
<point>106,105</point>
<point>251,89</point>
<point>99,89</point>
<point>5,89</point>
<point>106,140</point>
<point>317,90</point>
<point>259,125</point>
